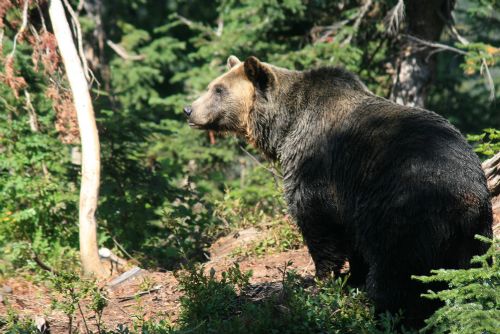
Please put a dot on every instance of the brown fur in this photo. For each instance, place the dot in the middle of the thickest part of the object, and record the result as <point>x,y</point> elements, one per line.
<point>395,190</point>
<point>238,102</point>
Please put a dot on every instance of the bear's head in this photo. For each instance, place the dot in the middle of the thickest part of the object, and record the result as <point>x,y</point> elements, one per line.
<point>230,98</point>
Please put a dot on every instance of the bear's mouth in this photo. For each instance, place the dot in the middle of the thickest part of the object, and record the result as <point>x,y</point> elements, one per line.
<point>195,126</point>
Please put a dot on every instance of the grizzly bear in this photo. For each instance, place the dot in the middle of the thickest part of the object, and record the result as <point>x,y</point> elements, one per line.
<point>395,190</point>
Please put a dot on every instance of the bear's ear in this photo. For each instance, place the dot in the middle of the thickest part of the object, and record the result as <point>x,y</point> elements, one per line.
<point>258,73</point>
<point>232,61</point>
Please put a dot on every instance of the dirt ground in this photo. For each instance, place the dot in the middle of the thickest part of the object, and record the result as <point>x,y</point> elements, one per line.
<point>33,301</point>
<point>153,295</point>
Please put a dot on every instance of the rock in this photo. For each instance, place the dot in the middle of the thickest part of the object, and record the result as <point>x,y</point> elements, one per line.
<point>6,289</point>
<point>42,325</point>
<point>226,245</point>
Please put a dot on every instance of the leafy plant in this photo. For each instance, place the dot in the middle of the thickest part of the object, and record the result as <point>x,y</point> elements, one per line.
<point>487,143</point>
<point>226,305</point>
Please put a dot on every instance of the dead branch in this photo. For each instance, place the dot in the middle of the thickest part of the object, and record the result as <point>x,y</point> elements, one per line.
<point>320,34</point>
<point>42,264</point>
<point>123,277</point>
<point>83,317</point>
<point>485,71</point>
<point>89,75</point>
<point>439,46</point>
<point>394,18</point>
<point>123,249</point>
<point>138,294</point>
<point>195,25</point>
<point>34,125</point>
<point>260,163</point>
<point>42,19</point>
<point>80,5</point>
<point>220,27</point>
<point>123,53</point>
<point>21,29</point>
<point>33,120</point>
<point>362,12</point>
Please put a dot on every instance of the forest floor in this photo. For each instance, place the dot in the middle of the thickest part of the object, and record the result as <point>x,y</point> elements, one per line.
<point>130,303</point>
<point>153,295</point>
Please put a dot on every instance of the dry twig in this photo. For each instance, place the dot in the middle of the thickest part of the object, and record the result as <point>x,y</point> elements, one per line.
<point>394,18</point>
<point>362,12</point>
<point>260,163</point>
<point>21,29</point>
<point>89,75</point>
<point>122,52</point>
<point>141,293</point>
<point>439,46</point>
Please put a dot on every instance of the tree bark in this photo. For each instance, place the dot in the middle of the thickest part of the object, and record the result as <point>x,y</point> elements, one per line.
<point>89,189</point>
<point>414,67</point>
<point>491,168</point>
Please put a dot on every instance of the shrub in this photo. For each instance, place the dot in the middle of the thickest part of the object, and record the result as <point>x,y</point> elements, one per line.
<point>472,301</point>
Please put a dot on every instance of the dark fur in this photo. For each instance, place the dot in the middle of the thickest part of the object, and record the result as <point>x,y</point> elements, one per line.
<point>395,190</point>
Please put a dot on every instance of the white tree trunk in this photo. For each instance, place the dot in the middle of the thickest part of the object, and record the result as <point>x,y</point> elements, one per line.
<point>91,164</point>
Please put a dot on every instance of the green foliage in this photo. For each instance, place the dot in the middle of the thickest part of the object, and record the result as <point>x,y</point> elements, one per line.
<point>278,236</point>
<point>12,324</point>
<point>225,305</point>
<point>38,184</point>
<point>166,190</point>
<point>472,300</point>
<point>487,143</point>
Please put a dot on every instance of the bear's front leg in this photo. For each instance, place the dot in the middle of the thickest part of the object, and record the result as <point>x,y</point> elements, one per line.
<point>325,239</point>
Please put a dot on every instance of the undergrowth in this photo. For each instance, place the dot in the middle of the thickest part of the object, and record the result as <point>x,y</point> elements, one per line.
<point>229,303</point>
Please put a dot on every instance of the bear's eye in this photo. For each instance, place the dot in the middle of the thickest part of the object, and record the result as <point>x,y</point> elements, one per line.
<point>219,90</point>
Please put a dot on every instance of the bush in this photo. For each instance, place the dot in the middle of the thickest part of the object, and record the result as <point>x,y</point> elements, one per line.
<point>472,302</point>
<point>226,305</point>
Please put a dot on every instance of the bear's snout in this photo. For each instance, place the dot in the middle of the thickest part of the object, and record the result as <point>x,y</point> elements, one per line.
<point>188,110</point>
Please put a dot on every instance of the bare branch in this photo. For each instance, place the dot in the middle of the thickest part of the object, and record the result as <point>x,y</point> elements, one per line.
<point>441,47</point>
<point>34,126</point>
<point>261,164</point>
<point>42,19</point>
<point>21,30</point>
<point>140,293</point>
<point>186,21</point>
<point>80,6</point>
<point>201,27</point>
<point>33,120</point>
<point>123,53</point>
<point>2,33</point>
<point>40,263</point>
<point>362,12</point>
<point>485,71</point>
<point>89,75</point>
<point>322,33</point>
<point>220,27</point>
<point>394,18</point>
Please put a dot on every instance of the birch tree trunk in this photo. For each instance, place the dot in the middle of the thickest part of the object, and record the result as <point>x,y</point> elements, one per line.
<point>89,189</point>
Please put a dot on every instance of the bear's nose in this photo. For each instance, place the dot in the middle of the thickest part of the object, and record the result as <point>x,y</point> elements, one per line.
<point>188,110</point>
